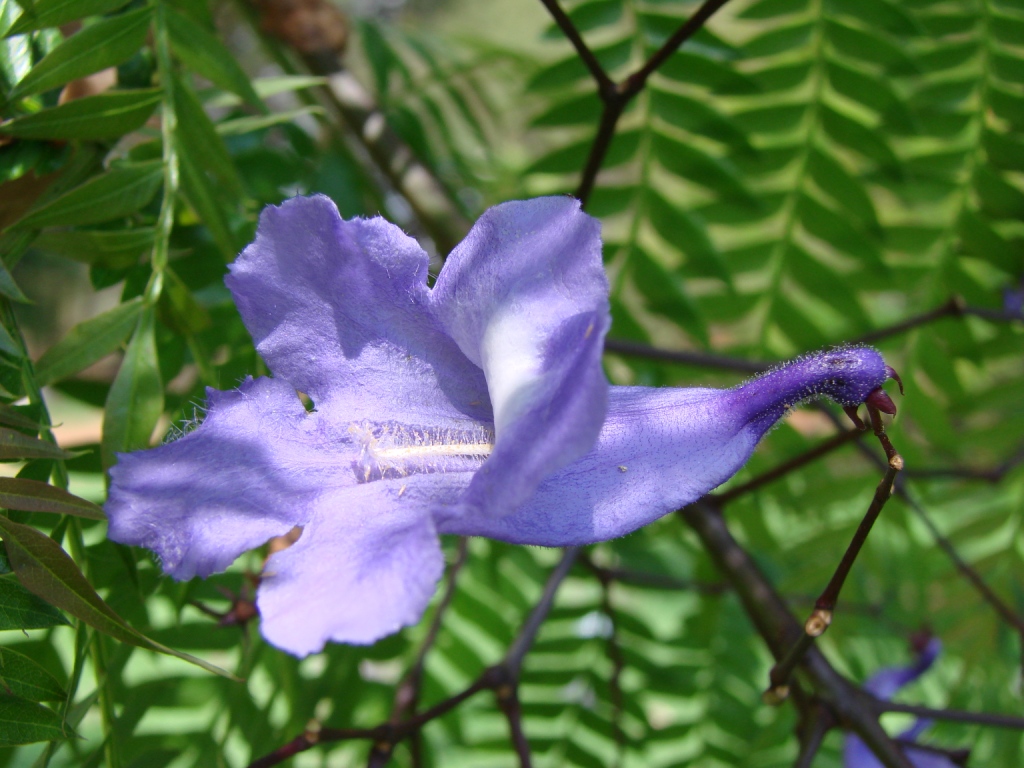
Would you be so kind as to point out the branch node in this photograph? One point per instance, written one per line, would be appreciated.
(312, 732)
(818, 622)
(776, 695)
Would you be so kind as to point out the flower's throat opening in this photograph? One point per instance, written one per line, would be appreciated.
(393, 450)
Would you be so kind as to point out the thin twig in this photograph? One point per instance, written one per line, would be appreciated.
(952, 308)
(955, 307)
(508, 702)
(990, 719)
(779, 629)
(615, 655)
(610, 115)
(507, 690)
(818, 722)
(813, 454)
(1000, 606)
(408, 692)
(993, 475)
(684, 357)
(524, 640)
(615, 96)
(604, 83)
(821, 617)
(655, 580)
(638, 79)
(501, 678)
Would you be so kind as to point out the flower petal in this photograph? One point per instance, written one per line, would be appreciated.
(659, 450)
(341, 309)
(526, 298)
(886, 682)
(247, 473)
(365, 566)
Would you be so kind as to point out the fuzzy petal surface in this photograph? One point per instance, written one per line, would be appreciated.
(659, 450)
(247, 473)
(342, 309)
(525, 297)
(365, 566)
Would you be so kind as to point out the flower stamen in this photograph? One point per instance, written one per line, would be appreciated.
(393, 449)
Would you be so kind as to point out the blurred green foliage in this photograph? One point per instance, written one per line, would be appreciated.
(800, 173)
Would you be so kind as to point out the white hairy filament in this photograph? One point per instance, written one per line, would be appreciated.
(396, 450)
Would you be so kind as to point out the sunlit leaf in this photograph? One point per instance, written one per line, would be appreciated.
(88, 342)
(23, 678)
(98, 46)
(206, 55)
(32, 496)
(105, 116)
(21, 609)
(54, 13)
(24, 722)
(44, 568)
(111, 195)
(136, 397)
(14, 445)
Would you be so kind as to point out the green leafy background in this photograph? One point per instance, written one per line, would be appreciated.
(801, 173)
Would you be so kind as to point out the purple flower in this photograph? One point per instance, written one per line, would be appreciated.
(477, 407)
(884, 684)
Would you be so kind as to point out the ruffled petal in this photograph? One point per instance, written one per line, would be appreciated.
(247, 473)
(365, 566)
(525, 297)
(341, 308)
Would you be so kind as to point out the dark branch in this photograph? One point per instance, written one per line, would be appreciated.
(636, 81)
(780, 629)
(407, 694)
(815, 725)
(503, 678)
(821, 616)
(954, 715)
(825, 448)
(616, 96)
(655, 580)
(684, 357)
(614, 651)
(517, 651)
(604, 83)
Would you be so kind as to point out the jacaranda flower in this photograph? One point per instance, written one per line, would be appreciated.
(884, 684)
(476, 407)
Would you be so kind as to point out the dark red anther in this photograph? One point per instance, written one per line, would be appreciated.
(893, 375)
(880, 401)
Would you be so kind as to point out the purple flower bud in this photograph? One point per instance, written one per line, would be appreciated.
(478, 406)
